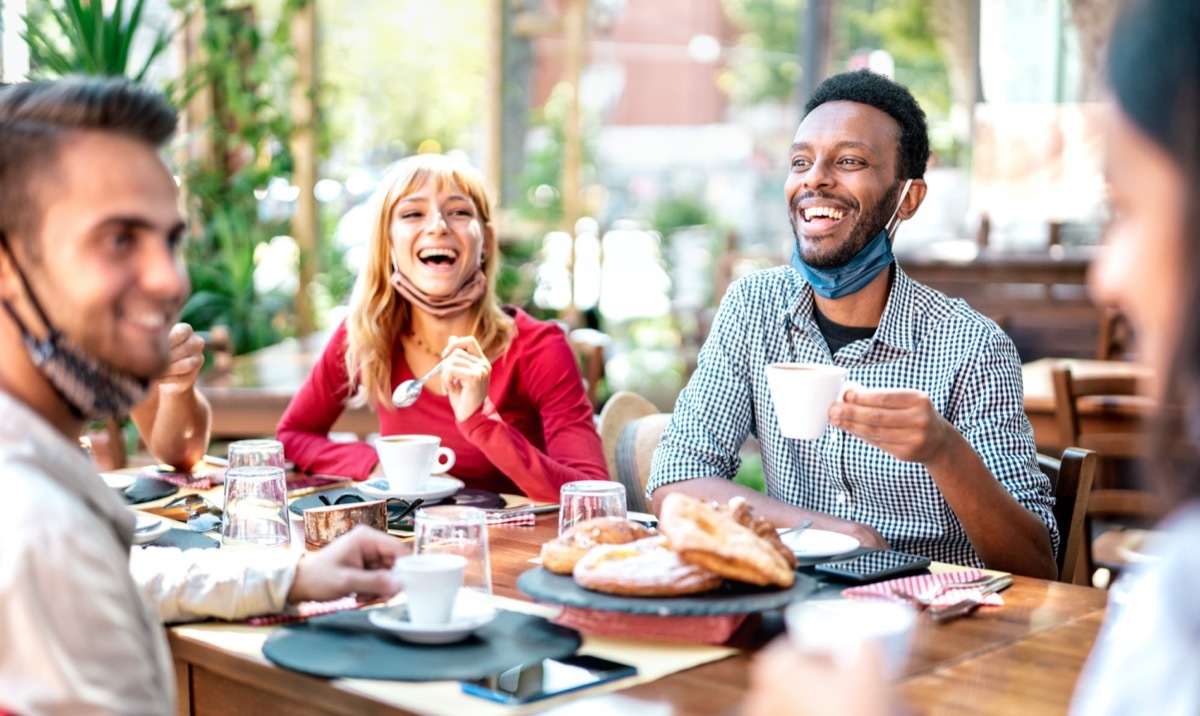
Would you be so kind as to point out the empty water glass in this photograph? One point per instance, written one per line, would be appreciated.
(249, 453)
(586, 499)
(256, 508)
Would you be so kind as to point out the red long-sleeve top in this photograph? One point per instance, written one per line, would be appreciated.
(533, 433)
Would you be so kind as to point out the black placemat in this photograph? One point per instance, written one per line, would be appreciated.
(347, 645)
(185, 539)
(145, 489)
(730, 598)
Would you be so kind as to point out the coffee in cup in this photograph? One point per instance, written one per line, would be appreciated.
(802, 394)
(409, 461)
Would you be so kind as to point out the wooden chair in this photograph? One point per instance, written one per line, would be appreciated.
(1070, 482)
(1108, 500)
(630, 430)
(1068, 390)
(589, 346)
(1116, 336)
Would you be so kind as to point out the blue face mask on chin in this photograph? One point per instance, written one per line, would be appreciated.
(852, 276)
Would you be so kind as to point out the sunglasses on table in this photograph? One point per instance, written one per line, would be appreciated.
(199, 514)
(397, 509)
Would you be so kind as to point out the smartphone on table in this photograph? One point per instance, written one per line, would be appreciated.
(548, 677)
(874, 566)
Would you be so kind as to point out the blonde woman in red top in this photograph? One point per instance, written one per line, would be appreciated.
(510, 402)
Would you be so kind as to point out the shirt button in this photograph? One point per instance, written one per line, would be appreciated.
(841, 498)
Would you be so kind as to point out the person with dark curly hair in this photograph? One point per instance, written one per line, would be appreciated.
(1147, 654)
(934, 455)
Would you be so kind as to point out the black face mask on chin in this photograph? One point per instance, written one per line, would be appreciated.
(91, 388)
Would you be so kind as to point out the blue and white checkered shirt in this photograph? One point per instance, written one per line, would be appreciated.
(925, 341)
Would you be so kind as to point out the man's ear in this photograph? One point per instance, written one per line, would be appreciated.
(912, 200)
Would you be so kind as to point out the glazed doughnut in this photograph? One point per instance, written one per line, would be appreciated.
(560, 555)
(710, 537)
(645, 568)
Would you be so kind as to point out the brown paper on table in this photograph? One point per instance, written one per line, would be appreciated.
(653, 661)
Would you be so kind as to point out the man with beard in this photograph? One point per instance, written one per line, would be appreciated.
(935, 455)
(91, 281)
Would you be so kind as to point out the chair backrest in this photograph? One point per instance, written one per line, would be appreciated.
(1071, 482)
(635, 451)
(1068, 389)
(630, 427)
(1116, 336)
(589, 345)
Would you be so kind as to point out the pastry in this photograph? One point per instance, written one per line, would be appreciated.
(645, 568)
(560, 555)
(713, 538)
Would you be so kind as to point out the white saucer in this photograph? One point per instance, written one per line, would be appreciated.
(812, 543)
(467, 617)
(149, 528)
(437, 488)
(118, 481)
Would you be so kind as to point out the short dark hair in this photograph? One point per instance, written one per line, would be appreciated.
(1154, 72)
(869, 88)
(37, 118)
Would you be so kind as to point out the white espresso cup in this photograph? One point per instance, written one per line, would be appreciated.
(408, 461)
(840, 628)
(431, 583)
(802, 394)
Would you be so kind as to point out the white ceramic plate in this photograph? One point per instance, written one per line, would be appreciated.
(118, 481)
(437, 488)
(467, 617)
(813, 543)
(149, 528)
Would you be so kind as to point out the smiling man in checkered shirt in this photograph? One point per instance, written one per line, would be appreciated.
(935, 456)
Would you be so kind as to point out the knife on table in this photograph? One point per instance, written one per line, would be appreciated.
(966, 606)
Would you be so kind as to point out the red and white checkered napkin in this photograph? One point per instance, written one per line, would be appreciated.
(921, 584)
(199, 480)
(304, 610)
(517, 519)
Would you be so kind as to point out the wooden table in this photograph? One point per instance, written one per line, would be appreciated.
(1024, 657)
(1107, 415)
(250, 399)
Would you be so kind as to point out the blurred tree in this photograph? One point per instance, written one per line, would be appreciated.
(403, 76)
(766, 65)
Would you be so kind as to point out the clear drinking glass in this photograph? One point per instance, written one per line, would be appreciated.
(586, 499)
(449, 529)
(249, 453)
(256, 508)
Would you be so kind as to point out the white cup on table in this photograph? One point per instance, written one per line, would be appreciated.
(840, 628)
(408, 461)
(802, 394)
(461, 531)
(431, 584)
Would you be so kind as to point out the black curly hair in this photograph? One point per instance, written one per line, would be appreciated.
(869, 88)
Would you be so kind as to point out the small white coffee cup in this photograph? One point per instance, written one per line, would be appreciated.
(802, 394)
(431, 583)
(839, 628)
(408, 461)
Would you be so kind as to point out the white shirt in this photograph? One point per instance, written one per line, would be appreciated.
(1147, 658)
(78, 633)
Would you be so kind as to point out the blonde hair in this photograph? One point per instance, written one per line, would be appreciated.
(379, 314)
